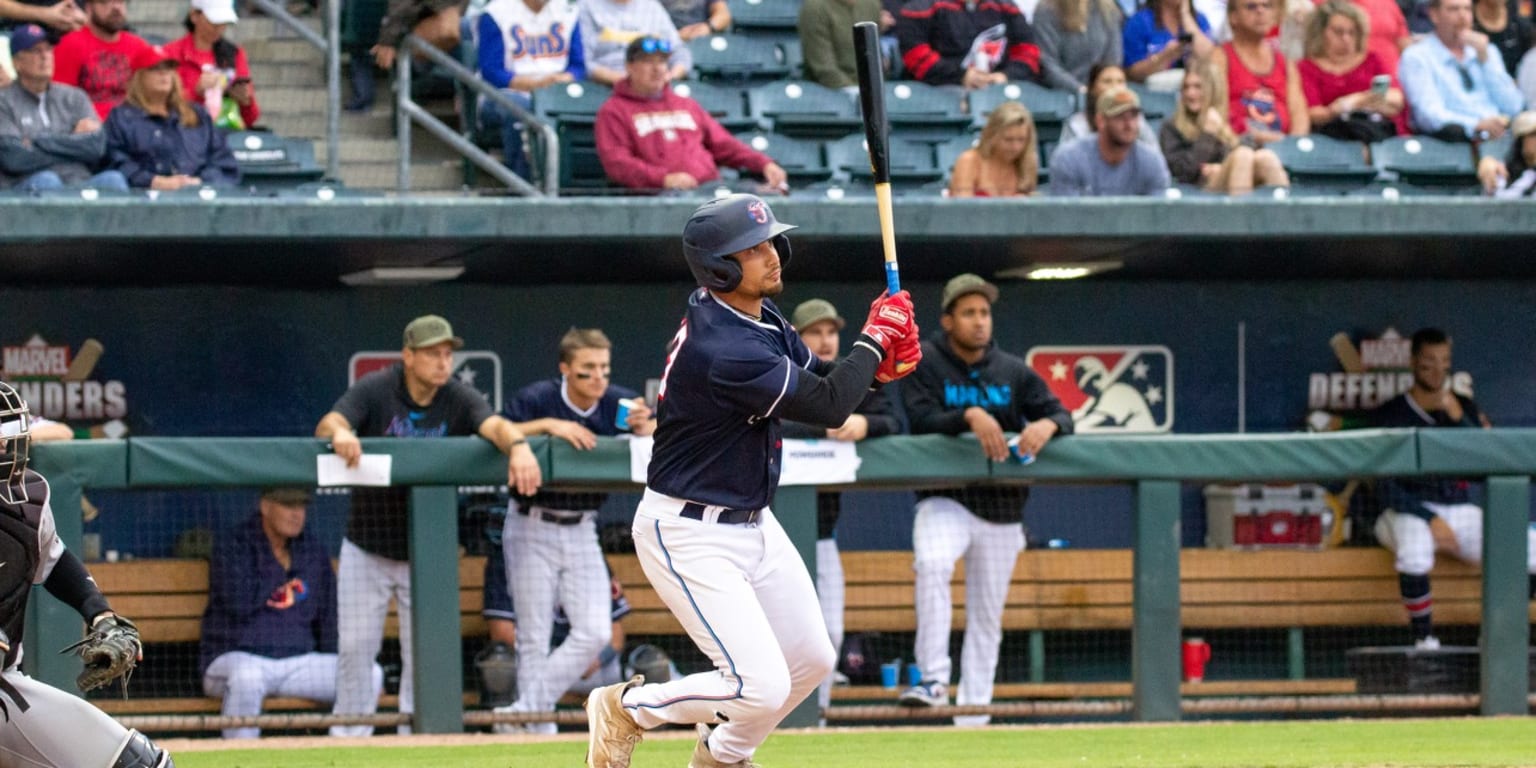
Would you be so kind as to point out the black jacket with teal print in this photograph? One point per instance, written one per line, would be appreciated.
(944, 386)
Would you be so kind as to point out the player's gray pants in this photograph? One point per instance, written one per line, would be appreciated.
(831, 590)
(58, 730)
(548, 565)
(746, 599)
(1409, 538)
(364, 584)
(243, 680)
(943, 532)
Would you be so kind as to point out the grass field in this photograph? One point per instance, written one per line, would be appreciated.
(1440, 742)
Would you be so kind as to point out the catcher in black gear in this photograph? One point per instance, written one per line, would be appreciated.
(41, 725)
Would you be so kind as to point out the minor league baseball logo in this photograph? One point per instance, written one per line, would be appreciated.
(759, 211)
(1113, 389)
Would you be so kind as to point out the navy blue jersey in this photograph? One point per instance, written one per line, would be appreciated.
(547, 399)
(1405, 494)
(727, 380)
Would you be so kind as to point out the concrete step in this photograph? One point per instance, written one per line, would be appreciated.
(302, 74)
(425, 177)
(312, 124)
(281, 49)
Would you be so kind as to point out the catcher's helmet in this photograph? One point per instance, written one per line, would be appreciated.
(727, 225)
(15, 441)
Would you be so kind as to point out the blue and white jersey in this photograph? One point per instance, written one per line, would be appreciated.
(513, 39)
(548, 399)
(727, 376)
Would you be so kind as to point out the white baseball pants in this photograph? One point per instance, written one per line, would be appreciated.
(746, 599)
(58, 730)
(365, 582)
(944, 531)
(832, 591)
(243, 680)
(1409, 538)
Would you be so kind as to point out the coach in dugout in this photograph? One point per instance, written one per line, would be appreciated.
(649, 138)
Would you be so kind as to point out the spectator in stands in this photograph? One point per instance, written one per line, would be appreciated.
(162, 141)
(50, 135)
(967, 384)
(1100, 79)
(1160, 37)
(1506, 29)
(1387, 31)
(1512, 176)
(360, 21)
(1455, 82)
(970, 45)
(523, 46)
(417, 398)
(698, 18)
(1527, 78)
(213, 70)
(1074, 36)
(57, 17)
(1422, 516)
(98, 58)
(436, 22)
(818, 324)
(1264, 97)
(827, 43)
(1201, 149)
(270, 625)
(1112, 161)
(610, 26)
(1351, 95)
(550, 540)
(650, 138)
(1006, 159)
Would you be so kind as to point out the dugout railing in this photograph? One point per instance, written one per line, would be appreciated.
(1154, 465)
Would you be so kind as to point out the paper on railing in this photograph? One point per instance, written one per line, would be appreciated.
(371, 469)
(806, 462)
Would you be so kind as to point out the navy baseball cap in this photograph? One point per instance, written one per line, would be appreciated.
(27, 36)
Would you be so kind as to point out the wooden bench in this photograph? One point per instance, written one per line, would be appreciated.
(1072, 589)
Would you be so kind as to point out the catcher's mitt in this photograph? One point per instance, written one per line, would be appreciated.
(110, 651)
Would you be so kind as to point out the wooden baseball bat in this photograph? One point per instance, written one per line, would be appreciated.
(866, 46)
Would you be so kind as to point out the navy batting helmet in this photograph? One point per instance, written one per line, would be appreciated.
(728, 225)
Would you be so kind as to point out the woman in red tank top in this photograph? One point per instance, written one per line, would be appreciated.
(1265, 101)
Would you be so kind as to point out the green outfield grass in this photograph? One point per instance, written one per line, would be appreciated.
(1442, 742)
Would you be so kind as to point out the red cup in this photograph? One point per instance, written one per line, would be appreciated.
(1197, 653)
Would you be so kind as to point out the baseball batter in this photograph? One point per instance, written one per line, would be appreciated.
(704, 534)
(42, 726)
(1423, 515)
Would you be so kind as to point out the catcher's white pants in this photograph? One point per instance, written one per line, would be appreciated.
(832, 591)
(365, 582)
(548, 565)
(944, 531)
(746, 599)
(58, 730)
(243, 680)
(1409, 538)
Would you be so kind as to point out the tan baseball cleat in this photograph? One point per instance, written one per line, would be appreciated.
(611, 733)
(703, 759)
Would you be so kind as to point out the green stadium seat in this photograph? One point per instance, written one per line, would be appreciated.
(1155, 105)
(765, 14)
(572, 101)
(1320, 159)
(738, 59)
(1049, 108)
(726, 104)
(1425, 161)
(920, 112)
(804, 109)
(803, 159)
(269, 161)
(1495, 148)
(912, 163)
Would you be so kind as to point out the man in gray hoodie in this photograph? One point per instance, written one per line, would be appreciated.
(50, 135)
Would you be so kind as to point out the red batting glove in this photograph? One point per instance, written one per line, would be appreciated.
(902, 360)
(891, 319)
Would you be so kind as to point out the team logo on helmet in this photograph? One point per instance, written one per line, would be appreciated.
(758, 210)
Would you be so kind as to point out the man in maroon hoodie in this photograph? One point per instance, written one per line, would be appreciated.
(653, 139)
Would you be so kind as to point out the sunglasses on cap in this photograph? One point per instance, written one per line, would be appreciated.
(655, 45)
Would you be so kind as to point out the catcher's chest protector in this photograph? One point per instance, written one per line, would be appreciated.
(18, 563)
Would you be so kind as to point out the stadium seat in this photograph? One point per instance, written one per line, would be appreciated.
(947, 153)
(1323, 160)
(1424, 161)
(912, 163)
(270, 161)
(802, 159)
(724, 103)
(765, 14)
(1495, 148)
(1050, 108)
(804, 109)
(573, 110)
(920, 112)
(738, 59)
(837, 189)
(572, 101)
(1155, 105)
(794, 55)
